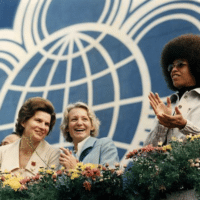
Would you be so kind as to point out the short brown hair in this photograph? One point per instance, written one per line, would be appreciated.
(28, 110)
(94, 120)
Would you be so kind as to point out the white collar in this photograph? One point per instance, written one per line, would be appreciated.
(80, 146)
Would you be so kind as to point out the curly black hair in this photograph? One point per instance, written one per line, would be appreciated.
(187, 47)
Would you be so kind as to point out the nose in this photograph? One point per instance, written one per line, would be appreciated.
(79, 122)
(42, 125)
(174, 68)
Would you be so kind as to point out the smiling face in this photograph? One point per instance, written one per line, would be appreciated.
(181, 75)
(37, 127)
(79, 126)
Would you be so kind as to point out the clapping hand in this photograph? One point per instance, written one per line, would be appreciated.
(67, 159)
(164, 112)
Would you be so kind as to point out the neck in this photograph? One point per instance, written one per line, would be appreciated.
(188, 88)
(76, 146)
(27, 145)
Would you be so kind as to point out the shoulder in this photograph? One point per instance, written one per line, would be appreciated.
(5, 147)
(49, 148)
(104, 140)
(9, 146)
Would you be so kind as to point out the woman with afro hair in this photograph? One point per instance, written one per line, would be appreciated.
(180, 62)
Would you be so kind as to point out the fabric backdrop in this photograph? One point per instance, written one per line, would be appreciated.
(105, 53)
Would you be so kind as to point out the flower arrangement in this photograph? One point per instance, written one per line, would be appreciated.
(154, 173)
(158, 171)
(86, 181)
(89, 181)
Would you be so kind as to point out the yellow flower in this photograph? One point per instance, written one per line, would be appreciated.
(62, 168)
(53, 166)
(174, 139)
(48, 171)
(41, 170)
(160, 143)
(7, 176)
(6, 171)
(13, 182)
(167, 147)
(189, 136)
(74, 175)
(93, 166)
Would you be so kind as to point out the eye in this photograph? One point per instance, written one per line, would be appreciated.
(85, 119)
(47, 124)
(38, 120)
(181, 64)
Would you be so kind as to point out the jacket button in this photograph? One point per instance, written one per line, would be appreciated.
(180, 106)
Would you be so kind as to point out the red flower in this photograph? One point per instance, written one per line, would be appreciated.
(88, 173)
(54, 176)
(87, 185)
(23, 187)
(96, 172)
(131, 154)
(59, 172)
(3, 178)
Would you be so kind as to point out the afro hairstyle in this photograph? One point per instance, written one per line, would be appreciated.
(187, 47)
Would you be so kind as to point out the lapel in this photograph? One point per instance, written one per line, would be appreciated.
(38, 157)
(11, 157)
(87, 147)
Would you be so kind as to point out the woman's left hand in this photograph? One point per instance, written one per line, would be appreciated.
(176, 121)
(67, 159)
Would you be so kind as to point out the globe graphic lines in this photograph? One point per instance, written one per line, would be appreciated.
(90, 66)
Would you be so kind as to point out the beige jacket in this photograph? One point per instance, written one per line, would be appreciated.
(44, 156)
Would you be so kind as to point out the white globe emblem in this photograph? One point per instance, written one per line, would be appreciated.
(41, 78)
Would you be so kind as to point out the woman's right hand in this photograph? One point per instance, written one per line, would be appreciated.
(158, 106)
(67, 160)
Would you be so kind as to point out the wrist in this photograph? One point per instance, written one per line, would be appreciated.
(183, 124)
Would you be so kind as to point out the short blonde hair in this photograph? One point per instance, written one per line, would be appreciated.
(94, 120)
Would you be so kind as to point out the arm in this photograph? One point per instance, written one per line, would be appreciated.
(108, 153)
(158, 134)
(190, 128)
(164, 113)
(54, 158)
(159, 130)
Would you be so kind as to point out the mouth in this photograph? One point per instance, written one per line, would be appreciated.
(79, 130)
(39, 133)
(175, 76)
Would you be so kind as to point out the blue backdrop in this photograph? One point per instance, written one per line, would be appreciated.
(103, 52)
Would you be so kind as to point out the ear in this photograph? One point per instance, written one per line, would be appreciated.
(92, 128)
(23, 124)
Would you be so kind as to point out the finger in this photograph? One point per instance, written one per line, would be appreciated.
(63, 159)
(62, 155)
(153, 98)
(178, 112)
(168, 102)
(154, 107)
(164, 118)
(167, 117)
(158, 98)
(66, 151)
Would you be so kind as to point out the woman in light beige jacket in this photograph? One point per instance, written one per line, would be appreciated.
(36, 119)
